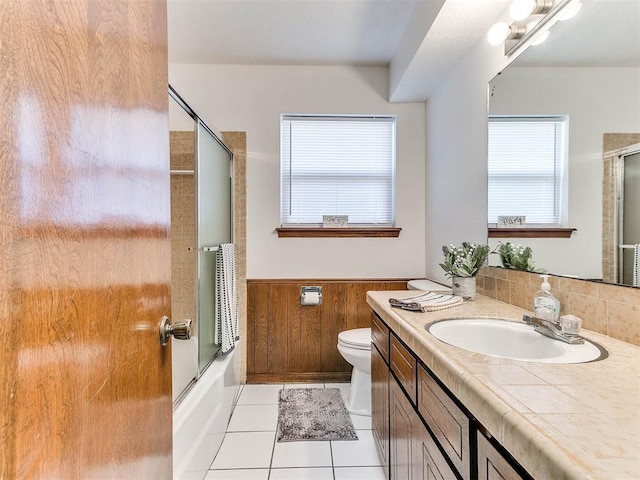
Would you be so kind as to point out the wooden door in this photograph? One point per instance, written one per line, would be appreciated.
(85, 388)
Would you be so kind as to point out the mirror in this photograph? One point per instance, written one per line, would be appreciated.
(589, 70)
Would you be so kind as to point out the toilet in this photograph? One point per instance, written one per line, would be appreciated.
(427, 286)
(355, 347)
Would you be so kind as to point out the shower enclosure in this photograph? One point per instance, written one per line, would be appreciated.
(201, 219)
(628, 194)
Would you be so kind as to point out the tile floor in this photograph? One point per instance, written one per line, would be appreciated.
(249, 450)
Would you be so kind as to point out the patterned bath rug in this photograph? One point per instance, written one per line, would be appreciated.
(313, 414)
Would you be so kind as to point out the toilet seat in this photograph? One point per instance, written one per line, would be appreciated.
(358, 338)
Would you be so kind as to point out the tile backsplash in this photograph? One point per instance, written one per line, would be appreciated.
(612, 310)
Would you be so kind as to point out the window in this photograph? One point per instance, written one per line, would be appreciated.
(526, 169)
(337, 165)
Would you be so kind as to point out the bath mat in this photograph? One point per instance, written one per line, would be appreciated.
(313, 414)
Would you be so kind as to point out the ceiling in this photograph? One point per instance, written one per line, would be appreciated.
(420, 40)
(287, 32)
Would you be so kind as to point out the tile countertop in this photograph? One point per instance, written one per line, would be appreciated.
(560, 421)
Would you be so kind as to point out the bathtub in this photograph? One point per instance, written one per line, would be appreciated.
(201, 418)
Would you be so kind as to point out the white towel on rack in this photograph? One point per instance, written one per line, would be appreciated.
(226, 325)
(636, 265)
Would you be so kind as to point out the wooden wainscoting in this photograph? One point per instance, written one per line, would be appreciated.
(289, 342)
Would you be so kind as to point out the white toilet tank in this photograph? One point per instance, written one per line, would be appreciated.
(427, 285)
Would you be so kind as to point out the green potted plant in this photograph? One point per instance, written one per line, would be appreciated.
(462, 265)
(517, 257)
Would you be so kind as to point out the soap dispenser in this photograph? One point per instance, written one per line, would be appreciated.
(545, 305)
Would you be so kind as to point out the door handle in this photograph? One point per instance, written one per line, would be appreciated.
(180, 331)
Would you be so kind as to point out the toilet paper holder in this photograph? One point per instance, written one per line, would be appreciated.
(310, 295)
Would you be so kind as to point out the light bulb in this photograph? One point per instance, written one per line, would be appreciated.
(521, 9)
(498, 33)
(541, 38)
(570, 11)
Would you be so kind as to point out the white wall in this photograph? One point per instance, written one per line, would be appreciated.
(597, 101)
(456, 181)
(251, 98)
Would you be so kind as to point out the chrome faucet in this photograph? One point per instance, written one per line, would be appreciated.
(551, 329)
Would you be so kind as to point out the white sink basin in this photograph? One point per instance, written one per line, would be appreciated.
(518, 341)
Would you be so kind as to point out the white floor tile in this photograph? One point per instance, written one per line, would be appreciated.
(259, 395)
(358, 453)
(245, 450)
(254, 418)
(359, 473)
(245, 474)
(361, 422)
(304, 385)
(301, 474)
(301, 454)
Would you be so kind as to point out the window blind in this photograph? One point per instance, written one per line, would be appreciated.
(526, 168)
(337, 165)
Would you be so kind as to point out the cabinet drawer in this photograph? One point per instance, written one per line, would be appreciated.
(447, 421)
(380, 336)
(491, 463)
(403, 364)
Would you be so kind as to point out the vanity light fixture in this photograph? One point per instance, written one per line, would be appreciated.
(502, 32)
(570, 12)
(521, 9)
(541, 38)
(531, 20)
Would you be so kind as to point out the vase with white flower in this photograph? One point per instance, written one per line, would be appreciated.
(462, 264)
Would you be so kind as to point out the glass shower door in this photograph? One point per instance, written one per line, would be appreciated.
(630, 215)
(214, 209)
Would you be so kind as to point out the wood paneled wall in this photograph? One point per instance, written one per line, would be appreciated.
(289, 342)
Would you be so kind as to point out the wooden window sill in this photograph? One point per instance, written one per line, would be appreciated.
(319, 232)
(530, 232)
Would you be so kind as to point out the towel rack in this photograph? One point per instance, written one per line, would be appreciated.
(626, 246)
(209, 249)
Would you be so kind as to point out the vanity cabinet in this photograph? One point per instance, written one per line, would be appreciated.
(422, 432)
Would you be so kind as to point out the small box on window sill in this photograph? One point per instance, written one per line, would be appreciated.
(335, 221)
(508, 221)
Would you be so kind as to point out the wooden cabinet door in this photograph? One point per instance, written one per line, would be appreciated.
(85, 387)
(401, 420)
(428, 462)
(446, 420)
(380, 406)
(492, 465)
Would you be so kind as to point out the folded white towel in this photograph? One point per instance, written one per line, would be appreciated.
(426, 302)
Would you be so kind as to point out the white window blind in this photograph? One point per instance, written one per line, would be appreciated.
(335, 165)
(526, 168)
